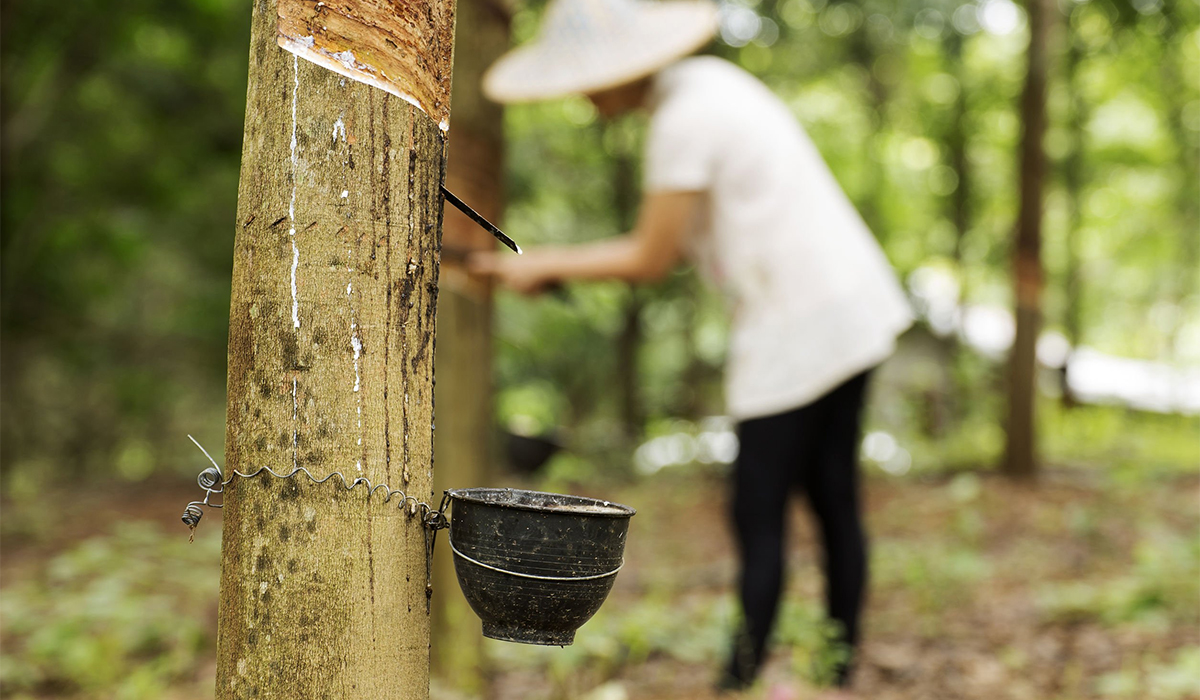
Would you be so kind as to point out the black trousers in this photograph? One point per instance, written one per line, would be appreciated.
(813, 448)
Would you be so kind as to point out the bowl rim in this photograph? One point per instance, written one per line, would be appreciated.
(478, 496)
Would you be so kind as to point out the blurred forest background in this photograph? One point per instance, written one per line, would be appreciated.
(121, 142)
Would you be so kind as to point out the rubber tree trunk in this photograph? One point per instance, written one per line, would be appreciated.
(1073, 173)
(864, 51)
(463, 438)
(1184, 280)
(1020, 455)
(628, 348)
(324, 590)
(960, 214)
(630, 337)
(957, 143)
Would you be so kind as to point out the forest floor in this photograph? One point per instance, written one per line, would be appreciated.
(1083, 586)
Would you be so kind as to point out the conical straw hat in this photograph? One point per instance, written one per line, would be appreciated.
(592, 45)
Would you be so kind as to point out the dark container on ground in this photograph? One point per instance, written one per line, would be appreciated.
(527, 453)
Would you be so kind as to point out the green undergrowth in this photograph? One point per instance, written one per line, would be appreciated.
(127, 614)
(1176, 677)
(1162, 585)
(694, 631)
(945, 415)
(1107, 440)
(121, 616)
(1133, 444)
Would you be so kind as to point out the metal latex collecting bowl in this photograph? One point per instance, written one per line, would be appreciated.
(535, 566)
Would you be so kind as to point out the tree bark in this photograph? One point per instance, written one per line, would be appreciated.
(1020, 456)
(863, 51)
(628, 347)
(957, 142)
(324, 590)
(1073, 176)
(947, 410)
(1184, 281)
(629, 339)
(475, 171)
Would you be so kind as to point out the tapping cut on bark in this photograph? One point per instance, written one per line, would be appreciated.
(400, 46)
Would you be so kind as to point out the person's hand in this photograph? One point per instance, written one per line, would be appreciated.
(524, 274)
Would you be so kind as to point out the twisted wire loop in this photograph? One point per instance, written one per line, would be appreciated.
(213, 481)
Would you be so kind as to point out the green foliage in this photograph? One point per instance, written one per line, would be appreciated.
(1131, 445)
(889, 91)
(1135, 444)
(940, 574)
(814, 641)
(1173, 679)
(694, 630)
(965, 569)
(122, 136)
(118, 616)
(1163, 584)
(121, 142)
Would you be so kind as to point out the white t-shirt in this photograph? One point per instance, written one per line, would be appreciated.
(815, 301)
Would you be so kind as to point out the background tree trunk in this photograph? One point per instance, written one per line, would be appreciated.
(323, 590)
(863, 51)
(957, 143)
(1020, 455)
(625, 197)
(1073, 182)
(1184, 280)
(463, 439)
(629, 386)
(946, 405)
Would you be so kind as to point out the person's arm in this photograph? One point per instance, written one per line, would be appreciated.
(645, 254)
